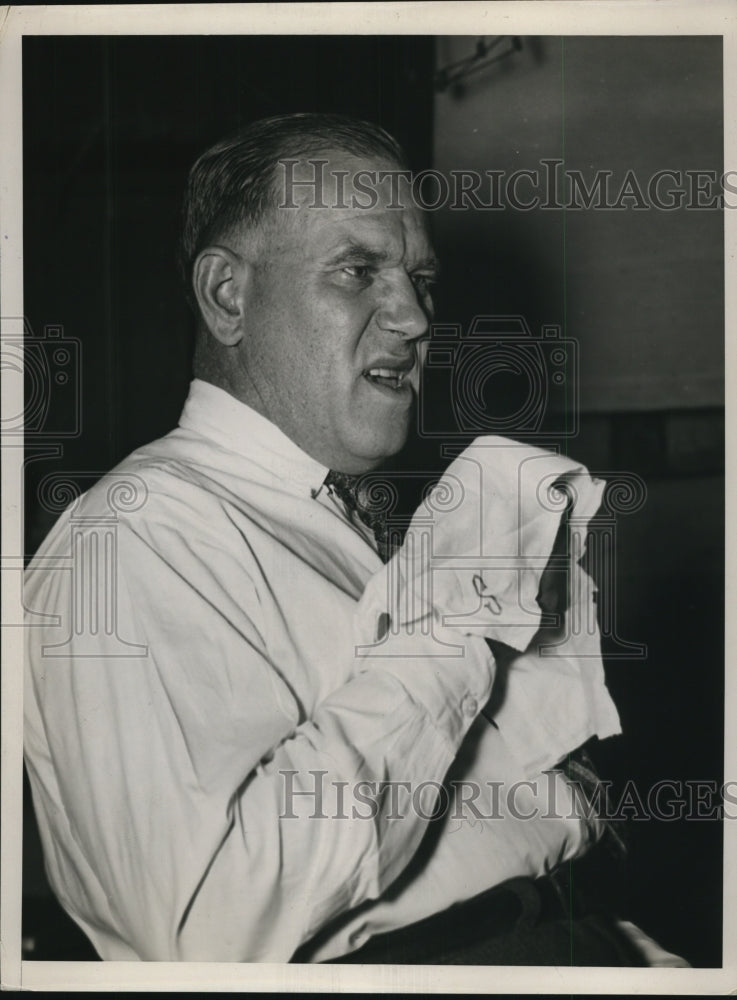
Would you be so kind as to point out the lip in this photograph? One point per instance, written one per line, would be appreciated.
(401, 394)
(403, 365)
(399, 364)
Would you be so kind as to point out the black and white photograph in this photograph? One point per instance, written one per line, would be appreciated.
(363, 435)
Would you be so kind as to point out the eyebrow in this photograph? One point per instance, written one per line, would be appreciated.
(353, 252)
(428, 264)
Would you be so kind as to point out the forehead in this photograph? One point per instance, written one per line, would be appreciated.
(332, 198)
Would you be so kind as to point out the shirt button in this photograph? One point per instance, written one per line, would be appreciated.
(469, 705)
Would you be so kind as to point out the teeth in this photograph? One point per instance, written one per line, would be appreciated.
(387, 373)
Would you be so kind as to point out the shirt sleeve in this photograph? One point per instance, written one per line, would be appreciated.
(188, 809)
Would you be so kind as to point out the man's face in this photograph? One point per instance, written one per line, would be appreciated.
(338, 301)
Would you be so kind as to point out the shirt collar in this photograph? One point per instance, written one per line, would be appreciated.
(215, 414)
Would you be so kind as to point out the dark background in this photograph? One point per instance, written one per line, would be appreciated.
(111, 126)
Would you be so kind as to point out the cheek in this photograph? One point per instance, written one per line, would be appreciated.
(326, 353)
(298, 357)
(315, 333)
(349, 328)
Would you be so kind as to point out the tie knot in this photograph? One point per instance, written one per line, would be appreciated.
(345, 486)
(355, 493)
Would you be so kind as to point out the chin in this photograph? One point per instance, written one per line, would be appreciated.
(364, 456)
(374, 457)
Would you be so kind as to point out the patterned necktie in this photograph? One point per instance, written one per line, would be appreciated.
(357, 499)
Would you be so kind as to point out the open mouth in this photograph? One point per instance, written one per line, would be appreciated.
(389, 378)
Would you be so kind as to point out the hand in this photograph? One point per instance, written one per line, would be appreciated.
(655, 956)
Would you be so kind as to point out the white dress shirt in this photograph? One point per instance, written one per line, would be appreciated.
(198, 667)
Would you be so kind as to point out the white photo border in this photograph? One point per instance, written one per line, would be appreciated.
(521, 17)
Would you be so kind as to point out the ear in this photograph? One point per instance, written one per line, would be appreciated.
(220, 279)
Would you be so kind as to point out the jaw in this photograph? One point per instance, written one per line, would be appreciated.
(374, 427)
(384, 418)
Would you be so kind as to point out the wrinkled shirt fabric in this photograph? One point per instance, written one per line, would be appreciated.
(208, 682)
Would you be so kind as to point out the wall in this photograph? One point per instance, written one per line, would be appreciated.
(641, 292)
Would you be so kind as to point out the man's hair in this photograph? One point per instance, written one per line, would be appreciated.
(234, 182)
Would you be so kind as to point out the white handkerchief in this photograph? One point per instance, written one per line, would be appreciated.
(473, 559)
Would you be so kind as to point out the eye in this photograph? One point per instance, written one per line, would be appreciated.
(362, 272)
(424, 283)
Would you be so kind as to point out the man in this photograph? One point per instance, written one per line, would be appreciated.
(198, 710)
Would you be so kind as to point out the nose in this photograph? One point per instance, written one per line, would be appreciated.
(401, 309)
